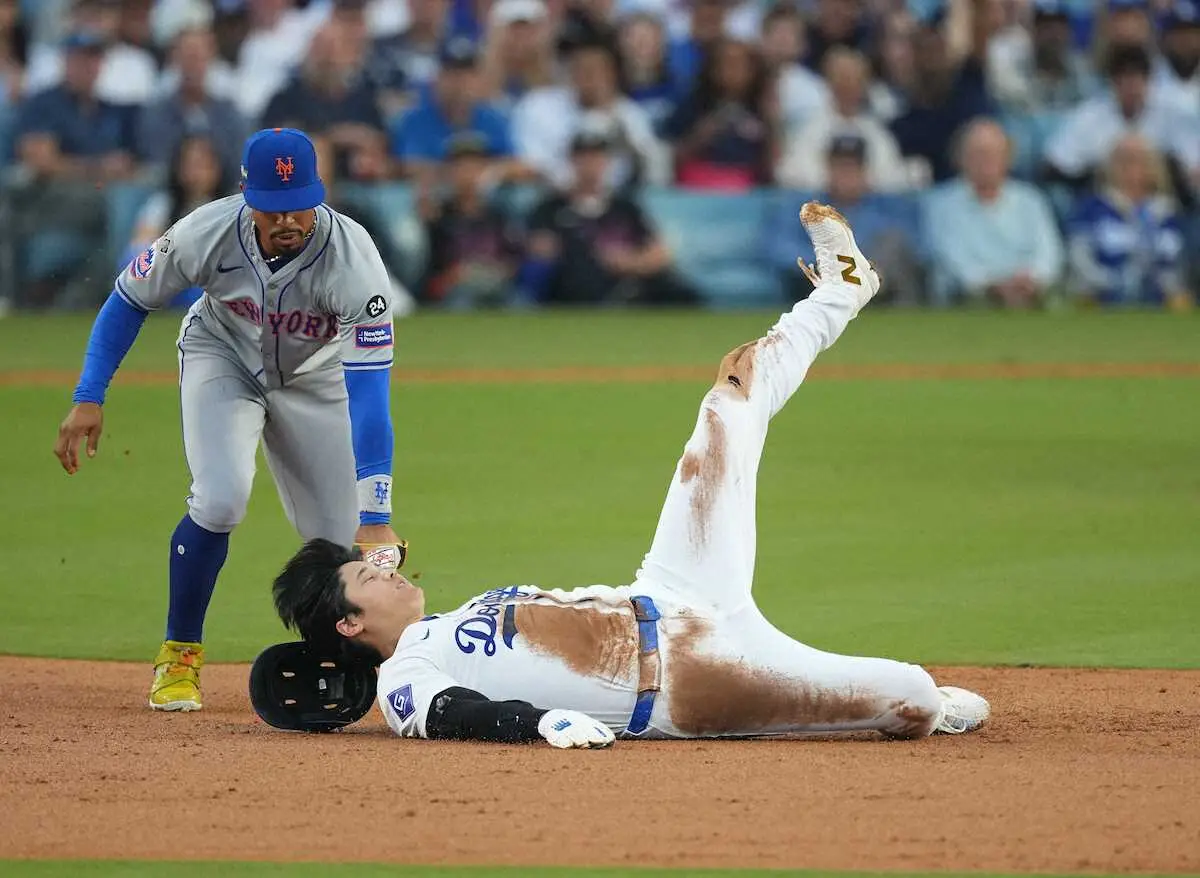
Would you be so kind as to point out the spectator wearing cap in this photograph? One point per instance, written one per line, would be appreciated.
(66, 135)
(1088, 134)
(991, 238)
(127, 73)
(647, 76)
(725, 134)
(474, 248)
(894, 240)
(589, 245)
(518, 54)
(421, 136)
(801, 93)
(949, 87)
(331, 100)
(803, 165)
(1126, 244)
(1040, 69)
(191, 108)
(404, 66)
(837, 23)
(1177, 69)
(274, 46)
(544, 121)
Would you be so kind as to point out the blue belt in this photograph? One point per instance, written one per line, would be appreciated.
(649, 666)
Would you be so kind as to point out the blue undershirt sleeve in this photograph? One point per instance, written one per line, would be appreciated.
(371, 427)
(113, 334)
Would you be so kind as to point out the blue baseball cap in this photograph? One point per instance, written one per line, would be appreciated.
(1183, 13)
(85, 40)
(279, 171)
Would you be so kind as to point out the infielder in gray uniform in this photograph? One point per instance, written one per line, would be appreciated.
(291, 343)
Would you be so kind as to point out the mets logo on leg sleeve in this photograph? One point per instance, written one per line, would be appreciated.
(378, 335)
(140, 267)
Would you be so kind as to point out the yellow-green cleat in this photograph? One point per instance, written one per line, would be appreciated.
(176, 683)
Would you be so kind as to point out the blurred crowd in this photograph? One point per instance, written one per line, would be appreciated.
(987, 151)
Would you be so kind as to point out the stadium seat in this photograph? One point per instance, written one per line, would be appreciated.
(716, 242)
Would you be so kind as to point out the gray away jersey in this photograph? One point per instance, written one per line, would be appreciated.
(330, 304)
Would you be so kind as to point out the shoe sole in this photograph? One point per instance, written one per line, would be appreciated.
(814, 212)
(176, 706)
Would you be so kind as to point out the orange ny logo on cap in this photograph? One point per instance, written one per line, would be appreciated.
(284, 169)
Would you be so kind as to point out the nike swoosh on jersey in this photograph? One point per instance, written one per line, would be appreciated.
(225, 269)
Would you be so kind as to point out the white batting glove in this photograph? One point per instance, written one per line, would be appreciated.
(570, 728)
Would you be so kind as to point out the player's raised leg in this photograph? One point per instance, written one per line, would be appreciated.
(705, 542)
(222, 411)
(310, 450)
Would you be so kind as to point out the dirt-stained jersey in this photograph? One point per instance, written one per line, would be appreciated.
(331, 303)
(575, 650)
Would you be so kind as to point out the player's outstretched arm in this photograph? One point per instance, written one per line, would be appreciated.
(113, 333)
(465, 715)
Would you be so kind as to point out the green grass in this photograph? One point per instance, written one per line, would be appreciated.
(1039, 521)
(153, 869)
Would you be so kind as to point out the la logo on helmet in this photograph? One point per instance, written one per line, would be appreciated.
(284, 169)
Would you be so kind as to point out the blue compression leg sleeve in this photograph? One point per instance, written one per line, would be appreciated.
(197, 556)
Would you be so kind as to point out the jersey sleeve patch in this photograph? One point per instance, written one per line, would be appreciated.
(140, 267)
(374, 336)
(401, 701)
(376, 305)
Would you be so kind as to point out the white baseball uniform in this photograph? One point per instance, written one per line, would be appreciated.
(683, 651)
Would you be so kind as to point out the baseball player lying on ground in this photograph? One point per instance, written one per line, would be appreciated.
(291, 343)
(683, 652)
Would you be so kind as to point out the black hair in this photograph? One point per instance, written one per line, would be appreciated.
(310, 596)
(1126, 58)
(706, 92)
(225, 184)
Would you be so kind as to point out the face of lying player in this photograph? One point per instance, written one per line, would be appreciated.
(281, 233)
(387, 604)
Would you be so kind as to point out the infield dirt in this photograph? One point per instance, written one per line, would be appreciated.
(1080, 770)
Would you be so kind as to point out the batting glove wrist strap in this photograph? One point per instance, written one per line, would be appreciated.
(386, 556)
(375, 494)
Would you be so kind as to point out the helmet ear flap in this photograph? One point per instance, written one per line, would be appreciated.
(295, 687)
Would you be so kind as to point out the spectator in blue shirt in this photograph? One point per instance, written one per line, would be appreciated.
(944, 95)
(887, 227)
(687, 52)
(67, 136)
(66, 132)
(420, 138)
(647, 76)
(991, 238)
(1126, 244)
